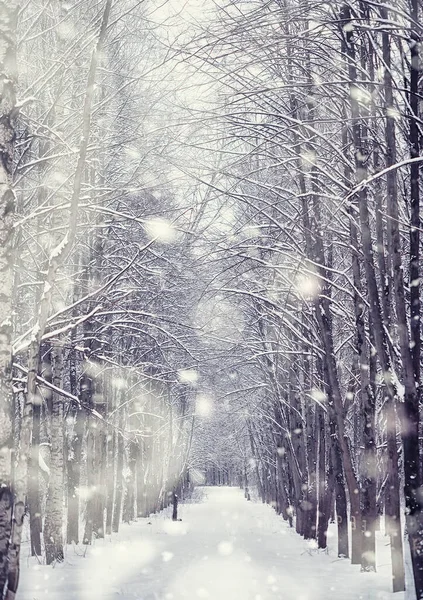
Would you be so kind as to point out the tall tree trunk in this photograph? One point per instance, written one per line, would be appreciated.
(323, 490)
(117, 508)
(110, 479)
(53, 524)
(367, 399)
(34, 500)
(74, 443)
(86, 399)
(392, 500)
(340, 492)
(341, 506)
(74, 460)
(8, 24)
(296, 428)
(129, 499)
(368, 407)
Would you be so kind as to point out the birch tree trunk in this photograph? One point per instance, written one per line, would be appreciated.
(8, 23)
(34, 500)
(53, 524)
(368, 407)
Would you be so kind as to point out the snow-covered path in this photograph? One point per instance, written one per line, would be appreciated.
(225, 548)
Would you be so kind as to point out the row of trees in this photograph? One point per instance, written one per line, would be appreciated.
(319, 131)
(98, 278)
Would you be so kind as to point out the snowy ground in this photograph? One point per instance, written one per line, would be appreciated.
(225, 548)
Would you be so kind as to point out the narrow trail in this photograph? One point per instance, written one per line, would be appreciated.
(225, 548)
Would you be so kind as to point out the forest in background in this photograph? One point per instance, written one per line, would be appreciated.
(210, 267)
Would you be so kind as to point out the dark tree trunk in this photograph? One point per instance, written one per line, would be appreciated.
(392, 500)
(34, 500)
(174, 506)
(409, 408)
(74, 476)
(368, 407)
(325, 488)
(340, 498)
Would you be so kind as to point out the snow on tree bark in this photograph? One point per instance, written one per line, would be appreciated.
(8, 23)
